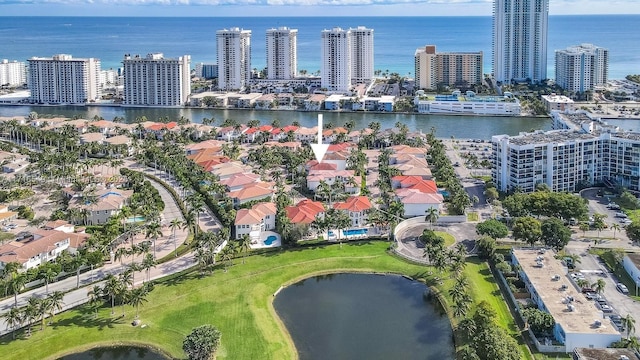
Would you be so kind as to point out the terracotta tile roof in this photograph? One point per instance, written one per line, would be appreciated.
(240, 179)
(354, 204)
(317, 175)
(425, 186)
(323, 166)
(55, 224)
(412, 196)
(204, 145)
(46, 241)
(289, 128)
(255, 215)
(108, 199)
(251, 191)
(103, 124)
(405, 149)
(304, 212)
(338, 155)
(118, 140)
(92, 137)
(308, 131)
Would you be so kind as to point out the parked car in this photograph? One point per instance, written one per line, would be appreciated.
(605, 308)
(613, 206)
(622, 288)
(620, 214)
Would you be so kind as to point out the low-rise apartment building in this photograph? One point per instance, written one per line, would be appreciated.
(578, 324)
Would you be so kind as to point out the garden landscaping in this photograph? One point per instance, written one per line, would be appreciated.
(237, 302)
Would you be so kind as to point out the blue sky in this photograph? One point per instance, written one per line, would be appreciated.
(294, 7)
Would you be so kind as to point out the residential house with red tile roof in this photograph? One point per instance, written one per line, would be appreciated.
(357, 207)
(261, 217)
(305, 212)
(351, 182)
(227, 169)
(239, 181)
(45, 246)
(108, 203)
(252, 192)
(417, 203)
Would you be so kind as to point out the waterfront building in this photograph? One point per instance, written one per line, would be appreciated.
(12, 73)
(578, 324)
(62, 79)
(361, 55)
(282, 55)
(449, 68)
(109, 79)
(234, 58)
(582, 67)
(206, 71)
(156, 81)
(468, 104)
(579, 152)
(520, 40)
(336, 59)
(557, 102)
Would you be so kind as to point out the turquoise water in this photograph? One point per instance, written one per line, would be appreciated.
(135, 219)
(354, 232)
(270, 240)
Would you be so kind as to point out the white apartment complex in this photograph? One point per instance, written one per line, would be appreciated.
(361, 55)
(282, 53)
(581, 151)
(156, 81)
(12, 73)
(234, 58)
(582, 67)
(520, 40)
(347, 58)
(448, 68)
(62, 79)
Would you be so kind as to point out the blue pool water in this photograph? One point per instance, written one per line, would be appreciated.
(354, 232)
(270, 240)
(135, 219)
(331, 233)
(444, 193)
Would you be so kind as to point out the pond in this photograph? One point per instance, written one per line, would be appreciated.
(359, 316)
(116, 353)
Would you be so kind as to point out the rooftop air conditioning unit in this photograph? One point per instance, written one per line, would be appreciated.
(597, 323)
(571, 307)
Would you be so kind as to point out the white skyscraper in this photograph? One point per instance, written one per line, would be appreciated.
(282, 56)
(361, 55)
(347, 58)
(520, 40)
(234, 58)
(335, 70)
(12, 73)
(156, 81)
(582, 67)
(63, 79)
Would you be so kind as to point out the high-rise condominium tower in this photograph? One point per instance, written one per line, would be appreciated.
(361, 55)
(234, 58)
(449, 68)
(156, 81)
(12, 73)
(347, 58)
(582, 67)
(63, 79)
(282, 57)
(520, 40)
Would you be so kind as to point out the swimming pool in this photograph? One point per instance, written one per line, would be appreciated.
(352, 232)
(135, 219)
(270, 239)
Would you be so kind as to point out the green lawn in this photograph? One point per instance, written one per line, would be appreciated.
(448, 238)
(238, 302)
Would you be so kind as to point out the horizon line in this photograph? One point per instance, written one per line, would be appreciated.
(288, 16)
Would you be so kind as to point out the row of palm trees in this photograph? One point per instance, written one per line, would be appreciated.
(119, 290)
(37, 309)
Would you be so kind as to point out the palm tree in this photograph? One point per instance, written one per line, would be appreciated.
(173, 225)
(31, 312)
(244, 245)
(147, 263)
(432, 216)
(55, 302)
(599, 285)
(76, 264)
(95, 297)
(48, 274)
(112, 288)
(629, 324)
(138, 296)
(154, 230)
(17, 282)
(584, 227)
(121, 252)
(133, 267)
(13, 319)
(615, 228)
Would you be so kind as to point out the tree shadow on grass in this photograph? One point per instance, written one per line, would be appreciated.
(87, 318)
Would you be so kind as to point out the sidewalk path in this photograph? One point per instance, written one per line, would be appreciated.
(164, 246)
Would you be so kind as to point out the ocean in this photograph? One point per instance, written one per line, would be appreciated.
(395, 42)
